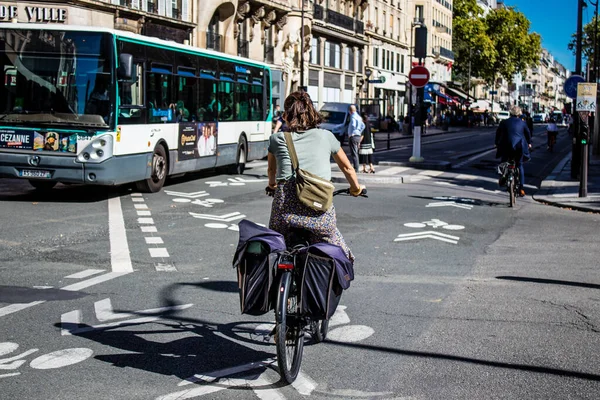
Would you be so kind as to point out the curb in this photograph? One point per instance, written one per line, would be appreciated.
(436, 165)
(575, 207)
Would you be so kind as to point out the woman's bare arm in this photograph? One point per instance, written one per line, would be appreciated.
(348, 170)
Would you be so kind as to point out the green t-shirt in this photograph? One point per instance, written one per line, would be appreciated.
(313, 147)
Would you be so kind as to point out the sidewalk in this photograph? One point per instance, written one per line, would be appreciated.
(559, 189)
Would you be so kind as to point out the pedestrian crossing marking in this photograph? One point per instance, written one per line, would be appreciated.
(394, 170)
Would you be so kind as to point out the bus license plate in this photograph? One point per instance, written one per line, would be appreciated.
(35, 173)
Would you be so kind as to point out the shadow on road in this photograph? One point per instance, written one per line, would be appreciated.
(550, 281)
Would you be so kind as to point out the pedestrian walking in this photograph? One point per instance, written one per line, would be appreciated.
(355, 128)
(367, 146)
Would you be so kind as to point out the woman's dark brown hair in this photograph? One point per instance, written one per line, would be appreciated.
(299, 112)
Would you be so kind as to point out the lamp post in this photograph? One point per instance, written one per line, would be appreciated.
(302, 88)
(368, 73)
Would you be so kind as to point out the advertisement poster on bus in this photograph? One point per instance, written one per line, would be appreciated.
(197, 140)
(37, 140)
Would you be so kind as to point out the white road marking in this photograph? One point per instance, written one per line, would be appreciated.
(120, 259)
(105, 312)
(145, 221)
(350, 333)
(160, 267)
(84, 274)
(140, 206)
(136, 195)
(7, 348)
(223, 218)
(15, 361)
(148, 229)
(43, 287)
(69, 319)
(144, 213)
(13, 308)
(450, 204)
(427, 235)
(339, 317)
(11, 374)
(466, 177)
(393, 170)
(192, 195)
(154, 240)
(182, 200)
(61, 358)
(431, 173)
(304, 384)
(415, 225)
(94, 281)
(475, 157)
(137, 200)
(211, 376)
(156, 252)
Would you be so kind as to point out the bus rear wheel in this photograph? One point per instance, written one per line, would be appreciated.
(240, 160)
(158, 174)
(42, 185)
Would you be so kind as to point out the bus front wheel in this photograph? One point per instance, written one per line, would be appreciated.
(240, 161)
(158, 174)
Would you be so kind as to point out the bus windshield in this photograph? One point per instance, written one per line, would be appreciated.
(53, 77)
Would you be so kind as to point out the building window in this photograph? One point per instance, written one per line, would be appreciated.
(389, 60)
(382, 59)
(315, 51)
(419, 13)
(337, 53)
(349, 59)
(375, 57)
(360, 62)
(332, 55)
(402, 64)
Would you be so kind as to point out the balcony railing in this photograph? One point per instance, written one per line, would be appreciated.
(444, 52)
(243, 48)
(335, 18)
(269, 54)
(213, 41)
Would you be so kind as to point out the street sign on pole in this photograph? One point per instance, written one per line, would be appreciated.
(493, 92)
(418, 76)
(571, 85)
(586, 97)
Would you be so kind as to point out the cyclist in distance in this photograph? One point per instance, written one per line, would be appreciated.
(552, 130)
(314, 147)
(513, 141)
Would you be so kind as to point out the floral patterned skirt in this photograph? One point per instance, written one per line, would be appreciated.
(287, 212)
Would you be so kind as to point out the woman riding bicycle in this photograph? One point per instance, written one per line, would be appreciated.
(314, 148)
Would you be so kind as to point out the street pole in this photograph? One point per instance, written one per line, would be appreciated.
(596, 132)
(576, 148)
(302, 89)
(410, 88)
(469, 90)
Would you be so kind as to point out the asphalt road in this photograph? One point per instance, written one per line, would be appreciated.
(109, 294)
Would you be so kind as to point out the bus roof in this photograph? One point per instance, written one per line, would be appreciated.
(134, 36)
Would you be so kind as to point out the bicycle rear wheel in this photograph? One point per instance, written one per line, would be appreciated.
(289, 335)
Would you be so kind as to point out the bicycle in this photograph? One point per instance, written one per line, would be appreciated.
(551, 140)
(510, 178)
(290, 323)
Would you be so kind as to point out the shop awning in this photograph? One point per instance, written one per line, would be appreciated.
(442, 98)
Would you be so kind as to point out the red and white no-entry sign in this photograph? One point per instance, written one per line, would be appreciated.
(418, 76)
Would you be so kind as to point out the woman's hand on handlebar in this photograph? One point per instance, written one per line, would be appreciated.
(358, 191)
(270, 190)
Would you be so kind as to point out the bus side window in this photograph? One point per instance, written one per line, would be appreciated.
(226, 100)
(208, 105)
(242, 93)
(159, 98)
(131, 107)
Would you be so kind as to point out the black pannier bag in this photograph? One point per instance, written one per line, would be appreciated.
(326, 272)
(255, 259)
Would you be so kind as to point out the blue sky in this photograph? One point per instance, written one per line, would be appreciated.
(555, 21)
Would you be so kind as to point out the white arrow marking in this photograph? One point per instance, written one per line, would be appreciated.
(192, 195)
(84, 274)
(339, 317)
(13, 308)
(211, 376)
(450, 204)
(489, 191)
(428, 235)
(7, 375)
(224, 218)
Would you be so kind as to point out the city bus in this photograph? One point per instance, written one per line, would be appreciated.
(106, 107)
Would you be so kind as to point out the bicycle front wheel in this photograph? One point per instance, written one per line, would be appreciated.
(289, 335)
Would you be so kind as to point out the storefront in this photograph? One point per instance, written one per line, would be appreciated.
(392, 92)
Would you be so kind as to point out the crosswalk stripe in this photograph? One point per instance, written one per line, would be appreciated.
(431, 173)
(394, 170)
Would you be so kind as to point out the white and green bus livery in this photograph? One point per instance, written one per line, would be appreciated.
(106, 107)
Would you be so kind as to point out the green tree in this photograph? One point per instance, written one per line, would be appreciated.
(470, 43)
(498, 44)
(587, 42)
(516, 48)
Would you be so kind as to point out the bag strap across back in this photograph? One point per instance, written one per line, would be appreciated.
(291, 150)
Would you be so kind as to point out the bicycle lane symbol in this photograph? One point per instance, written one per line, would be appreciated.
(254, 375)
(53, 360)
(431, 234)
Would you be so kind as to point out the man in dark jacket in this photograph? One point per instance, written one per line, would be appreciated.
(513, 141)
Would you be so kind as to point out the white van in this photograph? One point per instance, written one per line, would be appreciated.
(336, 119)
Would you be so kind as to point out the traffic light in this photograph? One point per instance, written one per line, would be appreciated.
(584, 134)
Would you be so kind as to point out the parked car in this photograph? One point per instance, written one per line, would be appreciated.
(539, 118)
(502, 115)
(336, 119)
